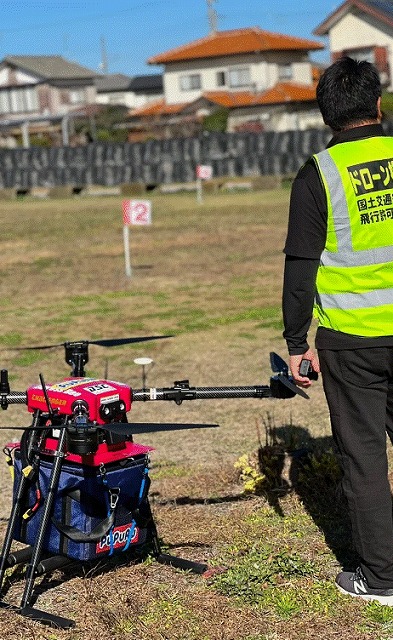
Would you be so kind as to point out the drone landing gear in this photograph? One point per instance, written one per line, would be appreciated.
(53, 563)
(39, 560)
(181, 563)
(175, 561)
(46, 565)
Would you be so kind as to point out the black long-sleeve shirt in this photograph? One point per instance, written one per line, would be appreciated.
(304, 244)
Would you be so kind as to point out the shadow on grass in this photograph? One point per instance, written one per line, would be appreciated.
(294, 461)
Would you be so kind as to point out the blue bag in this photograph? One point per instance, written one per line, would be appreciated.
(98, 510)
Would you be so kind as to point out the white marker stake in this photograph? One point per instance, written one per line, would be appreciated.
(199, 190)
(127, 258)
(203, 172)
(134, 212)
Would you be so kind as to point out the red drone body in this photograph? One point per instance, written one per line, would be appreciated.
(103, 399)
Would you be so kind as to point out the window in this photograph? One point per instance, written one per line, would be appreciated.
(285, 72)
(117, 98)
(363, 54)
(221, 79)
(188, 83)
(18, 100)
(239, 77)
(77, 96)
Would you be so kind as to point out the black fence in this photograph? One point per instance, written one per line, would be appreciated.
(158, 162)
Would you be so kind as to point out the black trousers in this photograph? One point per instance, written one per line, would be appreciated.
(358, 385)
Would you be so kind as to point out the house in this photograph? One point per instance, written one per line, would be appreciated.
(362, 29)
(130, 91)
(264, 80)
(37, 91)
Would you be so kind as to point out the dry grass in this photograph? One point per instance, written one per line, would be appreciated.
(211, 276)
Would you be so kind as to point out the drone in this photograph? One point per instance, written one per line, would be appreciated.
(81, 483)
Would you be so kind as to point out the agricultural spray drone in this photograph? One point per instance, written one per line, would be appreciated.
(81, 483)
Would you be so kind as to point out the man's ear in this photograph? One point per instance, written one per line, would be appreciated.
(379, 109)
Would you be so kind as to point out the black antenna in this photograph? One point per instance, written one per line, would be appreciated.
(47, 401)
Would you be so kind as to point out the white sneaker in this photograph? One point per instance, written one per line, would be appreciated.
(355, 584)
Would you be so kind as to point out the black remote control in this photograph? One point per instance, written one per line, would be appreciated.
(307, 371)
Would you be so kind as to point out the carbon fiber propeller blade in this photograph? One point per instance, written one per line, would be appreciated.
(277, 364)
(122, 428)
(292, 386)
(280, 367)
(113, 342)
(150, 427)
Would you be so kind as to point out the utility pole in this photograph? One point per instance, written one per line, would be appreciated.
(104, 57)
(212, 16)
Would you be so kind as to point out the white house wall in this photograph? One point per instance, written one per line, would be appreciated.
(126, 98)
(20, 77)
(25, 78)
(264, 73)
(277, 119)
(353, 32)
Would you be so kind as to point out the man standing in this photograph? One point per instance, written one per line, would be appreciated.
(339, 259)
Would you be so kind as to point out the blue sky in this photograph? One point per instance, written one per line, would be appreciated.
(130, 31)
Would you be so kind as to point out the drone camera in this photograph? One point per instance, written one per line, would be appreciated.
(113, 411)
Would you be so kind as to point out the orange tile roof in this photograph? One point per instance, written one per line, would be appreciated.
(289, 92)
(281, 92)
(158, 108)
(227, 43)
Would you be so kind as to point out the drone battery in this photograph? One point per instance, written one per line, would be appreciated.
(99, 509)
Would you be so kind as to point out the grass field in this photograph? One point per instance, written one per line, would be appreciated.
(210, 276)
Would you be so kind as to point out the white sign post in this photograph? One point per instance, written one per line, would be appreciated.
(136, 212)
(203, 172)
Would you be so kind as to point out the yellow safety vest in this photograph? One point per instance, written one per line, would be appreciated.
(354, 289)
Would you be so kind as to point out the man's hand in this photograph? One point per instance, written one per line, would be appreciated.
(294, 365)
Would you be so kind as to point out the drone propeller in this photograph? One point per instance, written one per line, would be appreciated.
(280, 368)
(121, 428)
(277, 364)
(114, 342)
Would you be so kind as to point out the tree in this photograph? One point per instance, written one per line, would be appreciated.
(216, 121)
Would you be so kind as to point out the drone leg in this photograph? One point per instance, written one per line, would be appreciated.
(20, 494)
(9, 536)
(38, 545)
(173, 561)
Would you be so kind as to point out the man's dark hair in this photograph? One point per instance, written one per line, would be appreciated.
(347, 93)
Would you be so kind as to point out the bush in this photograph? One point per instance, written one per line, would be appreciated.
(216, 121)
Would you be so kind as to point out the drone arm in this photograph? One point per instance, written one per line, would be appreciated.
(13, 397)
(182, 391)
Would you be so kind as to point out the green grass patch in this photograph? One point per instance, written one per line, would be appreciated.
(168, 612)
(169, 470)
(259, 567)
(11, 339)
(27, 358)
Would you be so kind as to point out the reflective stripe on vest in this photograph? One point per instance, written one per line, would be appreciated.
(346, 255)
(355, 281)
